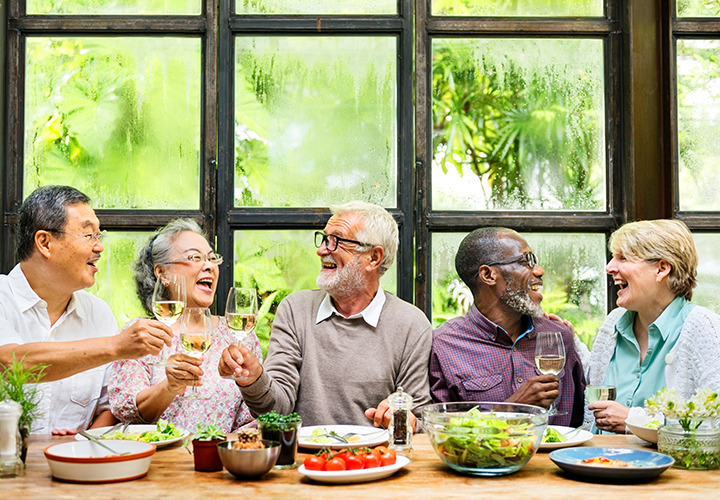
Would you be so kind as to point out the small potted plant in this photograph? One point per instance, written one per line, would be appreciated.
(204, 445)
(17, 382)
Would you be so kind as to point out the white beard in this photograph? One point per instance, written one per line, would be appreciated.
(518, 299)
(344, 282)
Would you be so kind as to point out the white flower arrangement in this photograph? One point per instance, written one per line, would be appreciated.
(703, 405)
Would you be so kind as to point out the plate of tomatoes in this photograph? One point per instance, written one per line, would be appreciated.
(352, 465)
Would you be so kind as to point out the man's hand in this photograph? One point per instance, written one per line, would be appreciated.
(540, 390)
(145, 336)
(381, 415)
(609, 415)
(241, 362)
(183, 370)
(64, 432)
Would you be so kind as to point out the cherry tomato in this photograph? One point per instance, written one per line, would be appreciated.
(372, 460)
(335, 463)
(314, 462)
(388, 458)
(354, 462)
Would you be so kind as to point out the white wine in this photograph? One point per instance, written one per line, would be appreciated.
(195, 343)
(600, 393)
(241, 321)
(550, 365)
(168, 311)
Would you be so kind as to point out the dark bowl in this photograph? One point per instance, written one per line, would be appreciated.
(249, 463)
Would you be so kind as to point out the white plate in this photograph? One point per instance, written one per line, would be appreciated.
(137, 429)
(369, 436)
(354, 476)
(575, 439)
(638, 426)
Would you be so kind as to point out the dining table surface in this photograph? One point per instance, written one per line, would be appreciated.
(172, 476)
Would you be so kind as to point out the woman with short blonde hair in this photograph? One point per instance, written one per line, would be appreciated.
(656, 338)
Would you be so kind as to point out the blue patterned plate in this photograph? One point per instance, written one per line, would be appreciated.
(643, 464)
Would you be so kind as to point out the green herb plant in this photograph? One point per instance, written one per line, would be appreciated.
(205, 432)
(17, 382)
(273, 421)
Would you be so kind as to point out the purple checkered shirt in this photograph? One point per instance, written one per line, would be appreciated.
(473, 359)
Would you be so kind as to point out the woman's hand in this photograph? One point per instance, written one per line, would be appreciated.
(183, 370)
(565, 322)
(609, 415)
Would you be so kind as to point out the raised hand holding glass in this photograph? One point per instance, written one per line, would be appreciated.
(196, 330)
(241, 310)
(550, 357)
(168, 303)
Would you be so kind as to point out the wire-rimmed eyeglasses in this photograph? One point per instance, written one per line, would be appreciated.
(198, 257)
(94, 237)
(331, 241)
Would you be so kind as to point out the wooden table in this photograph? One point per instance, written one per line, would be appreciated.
(172, 476)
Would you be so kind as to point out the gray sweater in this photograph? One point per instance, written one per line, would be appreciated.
(331, 372)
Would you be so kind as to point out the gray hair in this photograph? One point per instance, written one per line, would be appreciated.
(159, 249)
(45, 209)
(481, 246)
(378, 228)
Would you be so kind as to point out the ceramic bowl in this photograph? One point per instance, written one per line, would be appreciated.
(88, 462)
(249, 463)
(485, 439)
(639, 427)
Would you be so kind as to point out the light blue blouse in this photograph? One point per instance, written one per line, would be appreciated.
(635, 381)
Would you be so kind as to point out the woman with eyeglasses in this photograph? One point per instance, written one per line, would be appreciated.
(656, 338)
(142, 391)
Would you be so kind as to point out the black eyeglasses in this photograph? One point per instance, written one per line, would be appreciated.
(331, 241)
(528, 258)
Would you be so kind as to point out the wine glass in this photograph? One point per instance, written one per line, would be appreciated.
(600, 393)
(550, 357)
(195, 337)
(241, 310)
(168, 303)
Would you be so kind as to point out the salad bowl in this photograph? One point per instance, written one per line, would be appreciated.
(485, 438)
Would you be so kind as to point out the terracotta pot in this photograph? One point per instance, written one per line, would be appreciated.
(206, 455)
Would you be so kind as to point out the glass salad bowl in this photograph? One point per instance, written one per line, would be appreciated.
(485, 438)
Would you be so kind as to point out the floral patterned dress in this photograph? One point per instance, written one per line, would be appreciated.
(224, 406)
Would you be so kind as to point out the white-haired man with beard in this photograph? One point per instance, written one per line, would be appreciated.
(336, 353)
(489, 354)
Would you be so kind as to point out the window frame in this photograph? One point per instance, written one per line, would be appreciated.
(609, 28)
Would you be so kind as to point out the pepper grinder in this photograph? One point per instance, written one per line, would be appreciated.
(10, 463)
(400, 403)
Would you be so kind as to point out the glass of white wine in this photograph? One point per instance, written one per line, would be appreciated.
(195, 338)
(550, 358)
(168, 303)
(241, 311)
(600, 393)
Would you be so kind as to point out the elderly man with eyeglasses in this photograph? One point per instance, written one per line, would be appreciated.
(489, 354)
(47, 318)
(336, 353)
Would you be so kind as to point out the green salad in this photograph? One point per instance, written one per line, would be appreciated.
(653, 424)
(485, 442)
(553, 436)
(165, 430)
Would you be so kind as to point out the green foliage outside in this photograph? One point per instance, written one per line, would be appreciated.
(558, 8)
(116, 119)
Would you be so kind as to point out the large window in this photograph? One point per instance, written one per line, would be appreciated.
(559, 118)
